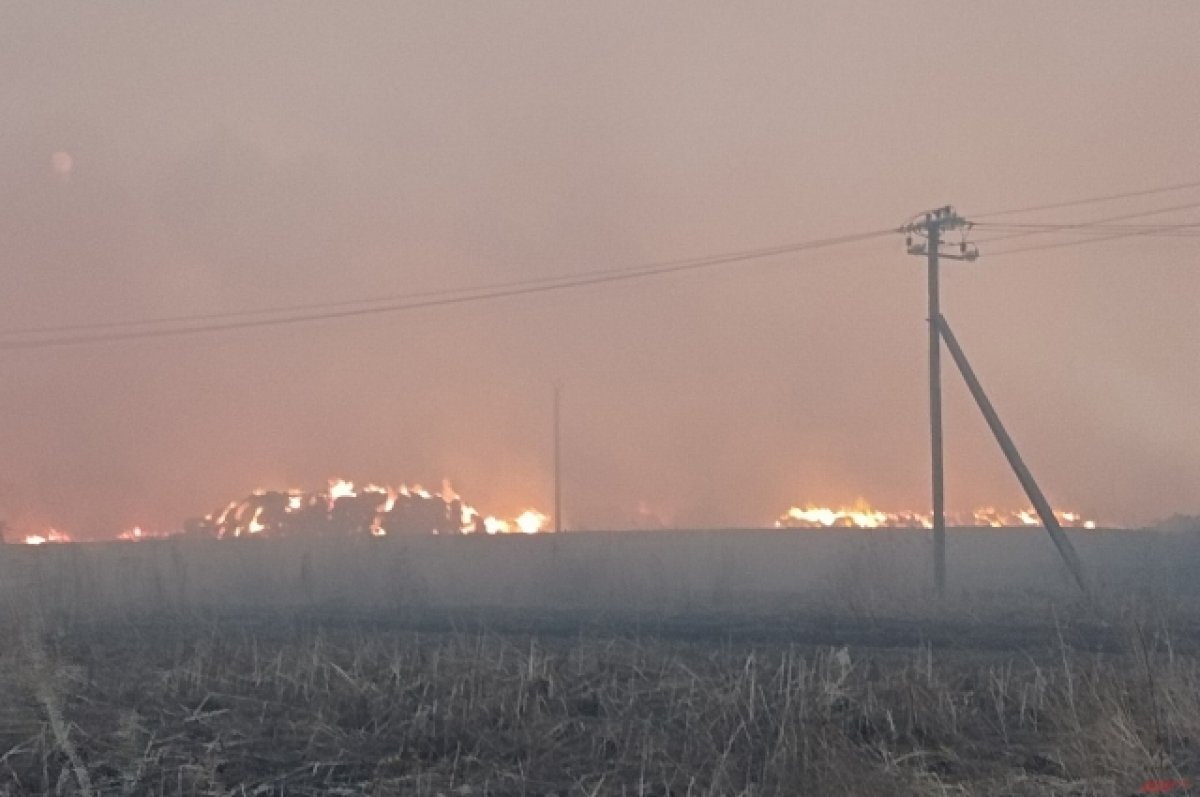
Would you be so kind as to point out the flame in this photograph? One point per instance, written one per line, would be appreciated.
(530, 521)
(860, 516)
(51, 536)
(340, 488)
(374, 510)
(863, 516)
(255, 525)
(987, 516)
(137, 533)
(380, 511)
(224, 516)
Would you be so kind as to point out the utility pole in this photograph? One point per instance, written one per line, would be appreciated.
(935, 411)
(930, 227)
(558, 525)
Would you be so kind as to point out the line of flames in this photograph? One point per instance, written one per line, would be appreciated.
(863, 516)
(226, 523)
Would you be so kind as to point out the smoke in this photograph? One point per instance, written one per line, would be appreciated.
(230, 158)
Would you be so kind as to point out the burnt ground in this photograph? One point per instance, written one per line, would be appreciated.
(341, 701)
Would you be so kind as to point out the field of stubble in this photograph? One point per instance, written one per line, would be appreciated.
(308, 703)
(293, 670)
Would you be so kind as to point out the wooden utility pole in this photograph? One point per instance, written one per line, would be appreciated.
(930, 227)
(935, 413)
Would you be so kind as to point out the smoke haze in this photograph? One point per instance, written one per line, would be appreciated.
(165, 159)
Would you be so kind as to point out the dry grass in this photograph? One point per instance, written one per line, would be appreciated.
(288, 704)
(322, 668)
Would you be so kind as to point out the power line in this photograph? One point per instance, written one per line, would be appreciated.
(431, 299)
(1188, 228)
(1061, 244)
(394, 298)
(1090, 200)
(282, 315)
(1119, 217)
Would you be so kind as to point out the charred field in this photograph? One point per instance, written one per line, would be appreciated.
(316, 668)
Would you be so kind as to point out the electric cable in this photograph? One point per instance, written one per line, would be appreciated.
(1090, 200)
(1062, 244)
(1119, 217)
(389, 298)
(433, 299)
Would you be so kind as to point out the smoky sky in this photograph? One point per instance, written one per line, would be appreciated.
(227, 156)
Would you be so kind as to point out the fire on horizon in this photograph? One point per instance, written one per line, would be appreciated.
(863, 516)
(379, 511)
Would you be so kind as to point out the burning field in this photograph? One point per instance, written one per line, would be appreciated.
(348, 510)
(343, 509)
(863, 516)
(396, 641)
